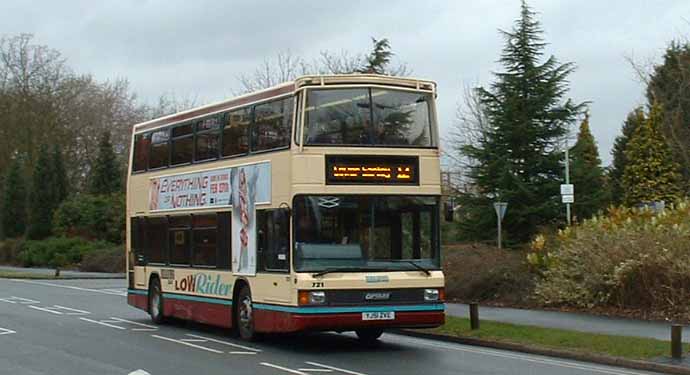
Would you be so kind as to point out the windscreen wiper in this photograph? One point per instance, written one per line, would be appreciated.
(346, 269)
(415, 265)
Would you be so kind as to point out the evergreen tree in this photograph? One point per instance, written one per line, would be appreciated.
(14, 202)
(591, 194)
(668, 86)
(105, 172)
(517, 158)
(651, 174)
(60, 185)
(635, 119)
(378, 58)
(41, 197)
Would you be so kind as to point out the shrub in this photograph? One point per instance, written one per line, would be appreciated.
(106, 260)
(93, 217)
(628, 258)
(9, 251)
(480, 272)
(58, 251)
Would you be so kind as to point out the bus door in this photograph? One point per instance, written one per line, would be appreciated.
(273, 253)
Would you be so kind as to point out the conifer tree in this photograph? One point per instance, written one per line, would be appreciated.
(635, 119)
(105, 175)
(379, 58)
(14, 202)
(651, 175)
(668, 87)
(60, 186)
(41, 197)
(517, 158)
(591, 194)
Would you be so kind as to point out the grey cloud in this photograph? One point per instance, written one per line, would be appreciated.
(197, 48)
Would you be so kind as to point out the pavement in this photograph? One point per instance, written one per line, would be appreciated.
(64, 273)
(86, 327)
(572, 321)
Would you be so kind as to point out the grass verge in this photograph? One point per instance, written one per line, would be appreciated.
(24, 275)
(558, 339)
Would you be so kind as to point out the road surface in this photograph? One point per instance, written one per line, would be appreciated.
(86, 327)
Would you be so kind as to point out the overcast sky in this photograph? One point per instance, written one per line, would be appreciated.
(196, 49)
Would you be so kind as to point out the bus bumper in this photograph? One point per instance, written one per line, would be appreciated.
(275, 321)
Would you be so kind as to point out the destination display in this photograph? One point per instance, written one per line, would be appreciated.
(355, 169)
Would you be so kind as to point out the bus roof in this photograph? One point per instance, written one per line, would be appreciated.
(286, 88)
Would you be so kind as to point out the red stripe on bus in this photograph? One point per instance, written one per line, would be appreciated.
(277, 321)
(202, 312)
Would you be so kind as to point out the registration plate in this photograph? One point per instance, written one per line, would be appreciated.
(379, 315)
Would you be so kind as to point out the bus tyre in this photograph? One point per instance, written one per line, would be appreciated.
(245, 315)
(156, 301)
(370, 335)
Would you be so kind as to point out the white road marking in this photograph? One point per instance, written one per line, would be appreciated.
(15, 299)
(146, 326)
(250, 353)
(45, 309)
(225, 343)
(188, 344)
(102, 323)
(139, 372)
(102, 291)
(545, 361)
(335, 368)
(283, 368)
(58, 310)
(74, 311)
(314, 369)
(193, 340)
(115, 290)
(5, 331)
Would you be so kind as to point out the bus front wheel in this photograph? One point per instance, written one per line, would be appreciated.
(370, 335)
(245, 315)
(156, 302)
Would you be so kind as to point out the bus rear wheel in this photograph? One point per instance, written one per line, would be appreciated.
(156, 302)
(369, 335)
(244, 311)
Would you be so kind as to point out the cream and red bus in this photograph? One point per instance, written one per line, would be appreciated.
(311, 205)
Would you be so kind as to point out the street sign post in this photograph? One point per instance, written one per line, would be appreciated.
(500, 208)
(567, 189)
(567, 196)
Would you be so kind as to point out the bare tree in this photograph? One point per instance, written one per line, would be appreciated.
(469, 128)
(287, 66)
(283, 68)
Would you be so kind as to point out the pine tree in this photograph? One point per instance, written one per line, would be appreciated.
(635, 119)
(668, 87)
(591, 194)
(14, 202)
(105, 175)
(651, 175)
(60, 187)
(516, 159)
(379, 58)
(41, 197)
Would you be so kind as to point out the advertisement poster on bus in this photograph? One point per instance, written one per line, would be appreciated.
(191, 190)
(247, 188)
(204, 189)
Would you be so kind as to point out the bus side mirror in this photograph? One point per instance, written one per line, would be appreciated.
(448, 211)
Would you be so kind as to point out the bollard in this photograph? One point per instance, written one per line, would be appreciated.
(676, 341)
(474, 316)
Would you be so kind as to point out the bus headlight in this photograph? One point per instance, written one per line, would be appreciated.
(317, 298)
(433, 295)
(308, 297)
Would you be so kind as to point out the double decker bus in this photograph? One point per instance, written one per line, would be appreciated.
(309, 206)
